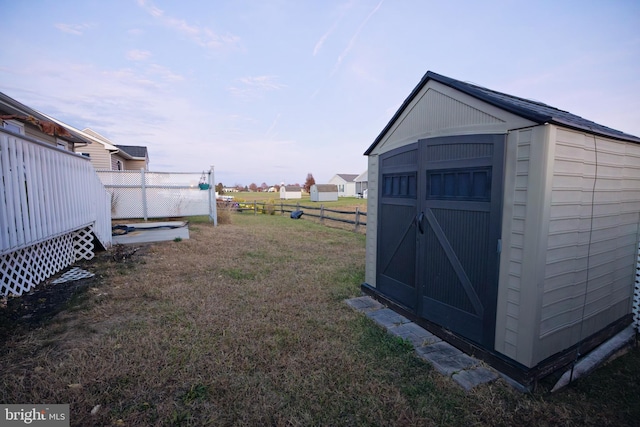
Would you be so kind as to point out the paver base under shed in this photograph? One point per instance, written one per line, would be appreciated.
(445, 358)
(467, 371)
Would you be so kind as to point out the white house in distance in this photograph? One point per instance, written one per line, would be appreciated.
(362, 182)
(345, 183)
(323, 193)
(290, 192)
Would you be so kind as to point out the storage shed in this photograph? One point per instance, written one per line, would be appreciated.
(506, 226)
(290, 192)
(323, 193)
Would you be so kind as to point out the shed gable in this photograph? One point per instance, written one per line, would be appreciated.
(435, 110)
(438, 110)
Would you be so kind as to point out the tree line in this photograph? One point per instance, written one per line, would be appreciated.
(253, 187)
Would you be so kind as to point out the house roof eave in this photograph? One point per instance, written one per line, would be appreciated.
(15, 107)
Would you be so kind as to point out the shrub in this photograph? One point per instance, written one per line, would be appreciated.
(269, 207)
(224, 214)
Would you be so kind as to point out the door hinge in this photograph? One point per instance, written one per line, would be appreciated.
(499, 246)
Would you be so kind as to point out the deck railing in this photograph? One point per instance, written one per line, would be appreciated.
(51, 205)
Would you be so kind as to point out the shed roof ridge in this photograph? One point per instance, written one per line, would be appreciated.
(536, 111)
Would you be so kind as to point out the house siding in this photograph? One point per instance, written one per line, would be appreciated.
(345, 188)
(135, 164)
(100, 158)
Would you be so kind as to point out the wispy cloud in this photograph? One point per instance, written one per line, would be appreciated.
(269, 131)
(353, 39)
(262, 82)
(138, 55)
(249, 86)
(165, 73)
(75, 29)
(202, 36)
(324, 37)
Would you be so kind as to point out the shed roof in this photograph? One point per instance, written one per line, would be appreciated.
(326, 188)
(533, 110)
(292, 188)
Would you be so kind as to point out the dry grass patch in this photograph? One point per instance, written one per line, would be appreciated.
(245, 324)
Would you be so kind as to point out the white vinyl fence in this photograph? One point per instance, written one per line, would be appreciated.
(143, 194)
(51, 205)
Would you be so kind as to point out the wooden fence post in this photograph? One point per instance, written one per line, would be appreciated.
(322, 213)
(255, 212)
(357, 218)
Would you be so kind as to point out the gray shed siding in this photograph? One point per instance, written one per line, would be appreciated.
(567, 267)
(545, 303)
(372, 222)
(522, 257)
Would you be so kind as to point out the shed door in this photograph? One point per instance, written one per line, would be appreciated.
(397, 213)
(458, 233)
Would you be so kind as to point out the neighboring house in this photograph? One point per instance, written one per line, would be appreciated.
(505, 226)
(290, 192)
(323, 193)
(22, 120)
(361, 184)
(132, 157)
(345, 183)
(105, 155)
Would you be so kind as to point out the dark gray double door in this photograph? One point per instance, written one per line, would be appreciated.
(439, 220)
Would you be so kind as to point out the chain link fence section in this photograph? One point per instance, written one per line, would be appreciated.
(141, 194)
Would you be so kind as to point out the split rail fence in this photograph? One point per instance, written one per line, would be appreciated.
(322, 213)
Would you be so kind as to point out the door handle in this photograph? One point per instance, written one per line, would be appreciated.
(419, 220)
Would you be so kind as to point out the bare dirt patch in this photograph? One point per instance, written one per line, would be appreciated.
(37, 307)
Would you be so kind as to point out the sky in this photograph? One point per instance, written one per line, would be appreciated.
(269, 91)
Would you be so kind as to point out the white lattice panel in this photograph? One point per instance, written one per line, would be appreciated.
(24, 269)
(636, 294)
(83, 244)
